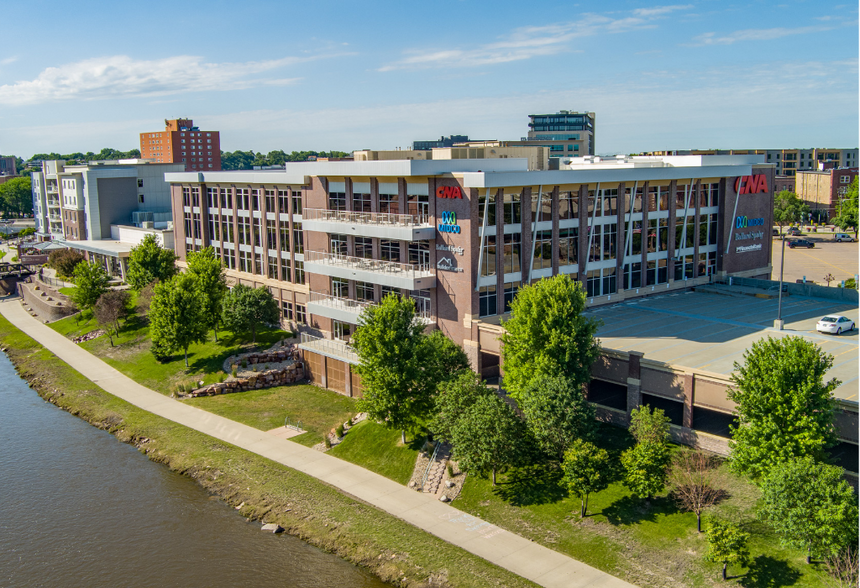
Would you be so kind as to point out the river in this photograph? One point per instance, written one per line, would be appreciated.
(79, 508)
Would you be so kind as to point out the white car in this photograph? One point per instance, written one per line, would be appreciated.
(833, 323)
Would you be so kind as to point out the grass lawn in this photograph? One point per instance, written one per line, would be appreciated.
(647, 544)
(319, 410)
(67, 290)
(378, 448)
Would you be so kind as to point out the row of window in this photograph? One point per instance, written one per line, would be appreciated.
(415, 252)
(388, 203)
(253, 263)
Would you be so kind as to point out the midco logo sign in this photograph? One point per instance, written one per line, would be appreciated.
(449, 192)
(751, 185)
(743, 222)
(449, 223)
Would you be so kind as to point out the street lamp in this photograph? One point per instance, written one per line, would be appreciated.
(778, 323)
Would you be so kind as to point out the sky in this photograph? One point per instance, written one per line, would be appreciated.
(378, 75)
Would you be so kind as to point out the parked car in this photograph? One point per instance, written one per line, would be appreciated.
(800, 243)
(794, 232)
(834, 323)
(839, 237)
(776, 233)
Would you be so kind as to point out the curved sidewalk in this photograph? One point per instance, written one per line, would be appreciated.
(502, 548)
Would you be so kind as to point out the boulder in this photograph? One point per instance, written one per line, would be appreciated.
(272, 528)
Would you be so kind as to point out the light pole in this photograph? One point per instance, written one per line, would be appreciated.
(778, 323)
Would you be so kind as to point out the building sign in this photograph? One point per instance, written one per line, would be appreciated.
(449, 223)
(745, 248)
(751, 184)
(447, 264)
(449, 192)
(743, 222)
(451, 248)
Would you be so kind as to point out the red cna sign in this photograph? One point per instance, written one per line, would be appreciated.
(751, 185)
(449, 192)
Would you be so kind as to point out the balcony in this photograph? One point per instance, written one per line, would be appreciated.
(376, 271)
(328, 347)
(348, 311)
(381, 225)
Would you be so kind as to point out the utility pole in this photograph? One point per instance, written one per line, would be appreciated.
(778, 323)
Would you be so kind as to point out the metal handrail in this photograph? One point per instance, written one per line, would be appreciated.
(365, 218)
(374, 265)
(294, 425)
(335, 347)
(346, 304)
(430, 464)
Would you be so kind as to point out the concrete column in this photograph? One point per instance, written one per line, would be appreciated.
(689, 398)
(556, 194)
(645, 233)
(621, 235)
(324, 370)
(526, 232)
(634, 381)
(696, 221)
(673, 220)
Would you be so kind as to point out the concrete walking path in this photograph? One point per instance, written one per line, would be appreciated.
(502, 548)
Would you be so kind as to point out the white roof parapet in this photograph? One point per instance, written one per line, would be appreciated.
(405, 167)
(237, 177)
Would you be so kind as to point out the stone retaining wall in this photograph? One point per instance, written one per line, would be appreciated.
(49, 306)
(267, 379)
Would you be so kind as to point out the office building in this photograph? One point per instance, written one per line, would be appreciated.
(822, 190)
(537, 156)
(786, 161)
(442, 142)
(182, 142)
(8, 166)
(566, 133)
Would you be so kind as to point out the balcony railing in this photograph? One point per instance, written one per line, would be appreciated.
(366, 218)
(422, 307)
(406, 270)
(337, 349)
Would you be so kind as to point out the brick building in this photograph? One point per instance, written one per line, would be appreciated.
(822, 190)
(182, 142)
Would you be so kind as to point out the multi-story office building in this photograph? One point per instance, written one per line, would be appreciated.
(823, 190)
(182, 142)
(537, 156)
(786, 161)
(566, 133)
(442, 142)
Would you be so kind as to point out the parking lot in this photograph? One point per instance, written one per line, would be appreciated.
(841, 260)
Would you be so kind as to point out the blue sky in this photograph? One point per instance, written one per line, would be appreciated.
(352, 75)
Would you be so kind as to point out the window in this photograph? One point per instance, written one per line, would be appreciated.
(226, 198)
(418, 206)
(270, 201)
(487, 301)
(340, 287)
(510, 292)
(258, 231)
(286, 274)
(491, 213)
(512, 253)
(364, 291)
(140, 183)
(297, 203)
(301, 314)
(388, 203)
(633, 275)
(361, 202)
(259, 268)
(273, 268)
(636, 239)
(287, 310)
(511, 209)
(214, 226)
(419, 254)
(390, 250)
(543, 251)
(337, 201)
(244, 230)
(568, 246)
(364, 247)
(341, 330)
(255, 199)
(283, 202)
(298, 238)
(272, 234)
(338, 244)
(243, 199)
(186, 196)
(227, 229)
(245, 261)
(140, 198)
(300, 272)
(488, 263)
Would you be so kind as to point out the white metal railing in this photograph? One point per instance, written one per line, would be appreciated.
(408, 270)
(366, 218)
(422, 308)
(330, 346)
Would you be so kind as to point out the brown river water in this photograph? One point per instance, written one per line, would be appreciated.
(79, 508)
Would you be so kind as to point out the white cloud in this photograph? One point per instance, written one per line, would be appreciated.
(753, 35)
(528, 42)
(8, 60)
(121, 76)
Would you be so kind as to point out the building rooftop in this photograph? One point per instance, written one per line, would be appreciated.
(710, 331)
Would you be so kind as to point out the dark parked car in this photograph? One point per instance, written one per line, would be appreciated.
(800, 243)
(794, 232)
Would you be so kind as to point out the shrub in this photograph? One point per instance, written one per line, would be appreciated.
(327, 442)
(450, 470)
(234, 371)
(339, 431)
(64, 261)
(221, 377)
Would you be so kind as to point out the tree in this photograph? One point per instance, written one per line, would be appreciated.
(649, 426)
(91, 282)
(176, 316)
(487, 436)
(246, 309)
(784, 409)
(388, 341)
(211, 284)
(547, 335)
(148, 262)
(26, 232)
(557, 412)
(16, 196)
(847, 210)
(810, 506)
(586, 469)
(646, 468)
(441, 360)
(693, 486)
(110, 308)
(454, 397)
(843, 568)
(788, 208)
(144, 298)
(64, 261)
(727, 544)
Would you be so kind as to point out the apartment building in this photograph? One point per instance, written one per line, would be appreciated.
(449, 141)
(786, 161)
(822, 190)
(182, 142)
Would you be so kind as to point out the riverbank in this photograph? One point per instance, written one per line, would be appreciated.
(260, 489)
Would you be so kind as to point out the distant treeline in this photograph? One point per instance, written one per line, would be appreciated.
(78, 157)
(249, 159)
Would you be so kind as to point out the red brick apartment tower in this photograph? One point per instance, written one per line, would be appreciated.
(182, 142)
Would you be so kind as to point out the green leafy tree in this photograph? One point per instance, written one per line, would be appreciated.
(788, 208)
(176, 316)
(16, 196)
(646, 468)
(487, 436)
(547, 335)
(91, 281)
(649, 426)
(810, 506)
(847, 210)
(441, 360)
(727, 544)
(784, 408)
(454, 397)
(211, 284)
(148, 262)
(586, 470)
(27, 231)
(557, 412)
(64, 261)
(246, 309)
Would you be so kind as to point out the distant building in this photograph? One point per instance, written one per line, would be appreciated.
(182, 142)
(781, 183)
(567, 133)
(537, 156)
(442, 142)
(787, 161)
(103, 207)
(8, 166)
(822, 190)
